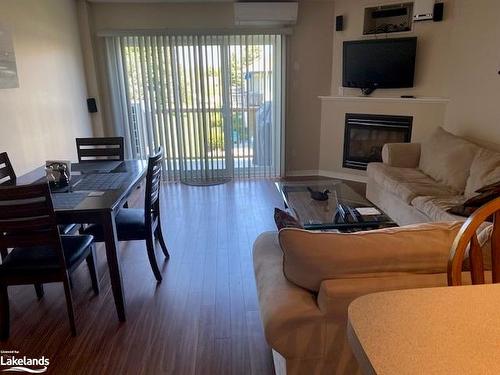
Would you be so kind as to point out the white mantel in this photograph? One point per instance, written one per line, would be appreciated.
(387, 99)
(428, 113)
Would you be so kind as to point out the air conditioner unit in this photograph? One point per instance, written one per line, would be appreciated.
(265, 14)
(423, 10)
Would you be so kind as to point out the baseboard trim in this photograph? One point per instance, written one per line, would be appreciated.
(302, 173)
(340, 175)
(344, 176)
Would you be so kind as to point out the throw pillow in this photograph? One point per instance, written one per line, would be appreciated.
(487, 194)
(485, 170)
(284, 220)
(447, 159)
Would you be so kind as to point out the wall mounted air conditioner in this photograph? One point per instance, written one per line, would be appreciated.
(265, 14)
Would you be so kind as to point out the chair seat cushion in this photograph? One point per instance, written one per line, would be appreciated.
(45, 258)
(130, 226)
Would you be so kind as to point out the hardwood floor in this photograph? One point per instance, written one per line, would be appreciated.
(202, 319)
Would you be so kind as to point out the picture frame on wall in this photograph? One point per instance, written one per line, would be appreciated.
(8, 68)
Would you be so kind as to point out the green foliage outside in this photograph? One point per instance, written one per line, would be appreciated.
(160, 63)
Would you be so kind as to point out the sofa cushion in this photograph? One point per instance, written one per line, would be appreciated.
(484, 170)
(447, 159)
(406, 183)
(436, 208)
(311, 257)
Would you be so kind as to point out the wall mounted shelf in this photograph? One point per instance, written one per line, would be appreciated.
(386, 19)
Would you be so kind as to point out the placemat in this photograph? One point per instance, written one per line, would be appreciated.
(96, 166)
(67, 200)
(100, 182)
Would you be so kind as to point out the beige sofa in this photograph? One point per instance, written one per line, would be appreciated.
(417, 183)
(306, 280)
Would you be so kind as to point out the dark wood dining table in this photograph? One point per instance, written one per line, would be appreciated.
(97, 192)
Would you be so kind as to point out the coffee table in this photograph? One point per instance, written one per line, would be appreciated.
(323, 215)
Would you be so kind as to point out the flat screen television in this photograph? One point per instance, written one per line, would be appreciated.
(379, 63)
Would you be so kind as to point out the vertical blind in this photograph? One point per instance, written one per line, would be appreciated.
(214, 102)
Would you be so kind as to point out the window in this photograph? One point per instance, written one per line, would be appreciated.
(214, 102)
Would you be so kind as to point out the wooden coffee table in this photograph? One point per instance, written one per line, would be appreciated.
(322, 215)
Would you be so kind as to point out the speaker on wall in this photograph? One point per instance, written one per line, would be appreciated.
(339, 23)
(91, 105)
(437, 15)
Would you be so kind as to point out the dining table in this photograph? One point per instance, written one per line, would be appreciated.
(444, 330)
(97, 191)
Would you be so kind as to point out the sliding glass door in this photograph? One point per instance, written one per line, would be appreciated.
(214, 102)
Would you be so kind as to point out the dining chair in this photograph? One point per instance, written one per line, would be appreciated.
(39, 253)
(467, 239)
(7, 174)
(100, 149)
(8, 177)
(134, 224)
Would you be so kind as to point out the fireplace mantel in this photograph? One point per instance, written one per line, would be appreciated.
(428, 113)
(418, 100)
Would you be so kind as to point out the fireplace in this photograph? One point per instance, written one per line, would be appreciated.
(366, 134)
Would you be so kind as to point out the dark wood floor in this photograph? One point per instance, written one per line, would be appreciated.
(202, 319)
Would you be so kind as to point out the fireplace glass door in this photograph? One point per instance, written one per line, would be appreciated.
(366, 134)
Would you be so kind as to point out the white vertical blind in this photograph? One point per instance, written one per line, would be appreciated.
(214, 102)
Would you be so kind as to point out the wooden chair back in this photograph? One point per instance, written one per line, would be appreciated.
(7, 174)
(27, 219)
(153, 186)
(100, 149)
(467, 238)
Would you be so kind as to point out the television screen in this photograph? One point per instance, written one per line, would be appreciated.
(381, 63)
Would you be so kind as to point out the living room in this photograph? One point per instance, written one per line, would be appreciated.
(288, 187)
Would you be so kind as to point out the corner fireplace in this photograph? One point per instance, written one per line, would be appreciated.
(366, 134)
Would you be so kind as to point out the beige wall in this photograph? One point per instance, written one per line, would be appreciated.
(41, 118)
(433, 59)
(309, 75)
(474, 79)
(457, 58)
(309, 51)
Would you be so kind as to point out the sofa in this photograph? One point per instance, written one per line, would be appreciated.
(419, 182)
(306, 280)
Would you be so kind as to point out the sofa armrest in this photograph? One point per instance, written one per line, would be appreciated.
(402, 155)
(293, 323)
(335, 295)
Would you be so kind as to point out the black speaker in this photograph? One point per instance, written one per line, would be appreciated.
(438, 12)
(339, 23)
(91, 105)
